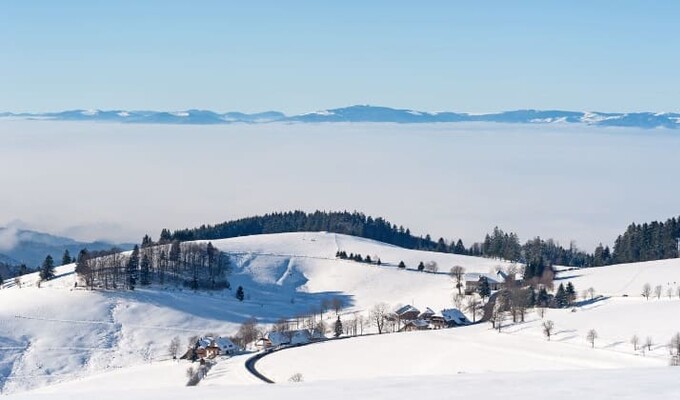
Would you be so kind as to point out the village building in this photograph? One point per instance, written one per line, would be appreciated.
(208, 347)
(407, 313)
(454, 317)
(415, 325)
(472, 281)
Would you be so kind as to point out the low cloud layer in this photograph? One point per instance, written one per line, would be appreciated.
(116, 181)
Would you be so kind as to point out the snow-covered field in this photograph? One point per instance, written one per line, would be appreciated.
(72, 343)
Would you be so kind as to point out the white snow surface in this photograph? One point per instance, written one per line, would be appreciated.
(61, 342)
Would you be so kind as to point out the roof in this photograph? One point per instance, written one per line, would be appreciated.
(491, 278)
(289, 337)
(406, 309)
(418, 323)
(454, 315)
(224, 344)
(427, 313)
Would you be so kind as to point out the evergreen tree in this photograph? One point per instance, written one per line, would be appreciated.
(338, 327)
(83, 268)
(166, 236)
(132, 268)
(66, 258)
(460, 248)
(571, 293)
(240, 295)
(421, 267)
(531, 297)
(378, 262)
(402, 265)
(368, 259)
(47, 269)
(147, 241)
(543, 297)
(561, 300)
(484, 289)
(144, 272)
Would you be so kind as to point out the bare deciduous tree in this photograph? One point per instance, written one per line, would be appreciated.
(497, 315)
(635, 341)
(548, 327)
(458, 300)
(173, 348)
(248, 332)
(657, 291)
(646, 291)
(378, 315)
(541, 311)
(473, 306)
(591, 293)
(457, 272)
(337, 304)
(669, 292)
(591, 336)
(432, 267)
(648, 343)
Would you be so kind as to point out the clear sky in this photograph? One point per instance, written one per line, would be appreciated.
(298, 56)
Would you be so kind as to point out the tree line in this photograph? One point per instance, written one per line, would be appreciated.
(193, 265)
(354, 223)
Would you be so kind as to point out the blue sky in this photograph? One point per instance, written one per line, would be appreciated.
(300, 56)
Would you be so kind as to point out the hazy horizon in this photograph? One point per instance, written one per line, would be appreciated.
(117, 181)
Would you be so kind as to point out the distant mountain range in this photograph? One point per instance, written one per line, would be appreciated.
(32, 247)
(364, 113)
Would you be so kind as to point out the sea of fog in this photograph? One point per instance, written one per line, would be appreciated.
(118, 181)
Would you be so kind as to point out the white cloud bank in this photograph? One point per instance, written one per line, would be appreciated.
(452, 180)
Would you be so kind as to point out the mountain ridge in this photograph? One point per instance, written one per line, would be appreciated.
(364, 114)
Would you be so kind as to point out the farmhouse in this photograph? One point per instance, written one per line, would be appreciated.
(209, 347)
(472, 281)
(415, 325)
(286, 338)
(454, 317)
(407, 313)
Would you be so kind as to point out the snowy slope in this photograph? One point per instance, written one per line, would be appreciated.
(627, 279)
(85, 341)
(628, 384)
(56, 333)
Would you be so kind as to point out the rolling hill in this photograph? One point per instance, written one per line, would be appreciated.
(66, 340)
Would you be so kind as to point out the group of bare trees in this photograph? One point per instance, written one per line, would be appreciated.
(658, 291)
(195, 265)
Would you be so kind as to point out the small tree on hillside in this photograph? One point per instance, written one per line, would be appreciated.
(66, 258)
(571, 293)
(635, 341)
(591, 336)
(47, 269)
(338, 327)
(401, 265)
(240, 294)
(484, 289)
(378, 315)
(473, 306)
(548, 327)
(144, 271)
(457, 273)
(173, 348)
(657, 291)
(132, 268)
(421, 267)
(646, 291)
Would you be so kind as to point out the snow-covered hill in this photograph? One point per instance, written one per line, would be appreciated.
(84, 341)
(58, 332)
